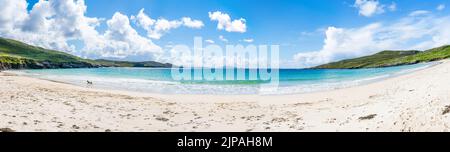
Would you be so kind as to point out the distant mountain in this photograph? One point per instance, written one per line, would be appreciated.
(146, 64)
(18, 55)
(390, 58)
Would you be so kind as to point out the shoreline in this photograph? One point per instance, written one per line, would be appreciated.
(199, 96)
(134, 92)
(409, 102)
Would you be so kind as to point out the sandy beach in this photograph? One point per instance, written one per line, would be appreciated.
(418, 101)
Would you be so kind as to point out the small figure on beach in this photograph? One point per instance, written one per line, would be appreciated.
(89, 82)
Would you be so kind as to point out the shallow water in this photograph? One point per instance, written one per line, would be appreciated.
(161, 80)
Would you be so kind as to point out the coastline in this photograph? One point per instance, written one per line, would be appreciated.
(146, 85)
(409, 102)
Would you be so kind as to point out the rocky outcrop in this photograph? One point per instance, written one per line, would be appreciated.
(31, 64)
(49, 65)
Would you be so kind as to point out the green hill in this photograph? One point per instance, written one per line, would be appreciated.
(390, 58)
(18, 55)
(148, 64)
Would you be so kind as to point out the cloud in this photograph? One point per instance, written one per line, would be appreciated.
(418, 13)
(441, 7)
(13, 13)
(121, 40)
(143, 20)
(369, 8)
(188, 22)
(392, 7)
(225, 22)
(53, 24)
(157, 28)
(163, 26)
(248, 40)
(410, 32)
(49, 24)
(210, 41)
(223, 38)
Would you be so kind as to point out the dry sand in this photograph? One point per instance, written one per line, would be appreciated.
(418, 101)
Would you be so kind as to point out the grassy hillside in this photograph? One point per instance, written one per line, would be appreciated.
(434, 54)
(17, 55)
(390, 58)
(149, 64)
(20, 49)
(9, 62)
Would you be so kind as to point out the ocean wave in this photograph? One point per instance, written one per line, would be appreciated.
(289, 84)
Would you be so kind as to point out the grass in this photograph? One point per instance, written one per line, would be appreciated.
(391, 58)
(376, 60)
(15, 62)
(12, 59)
(434, 54)
(19, 49)
(15, 54)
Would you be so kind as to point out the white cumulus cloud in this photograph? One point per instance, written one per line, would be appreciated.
(410, 32)
(49, 24)
(369, 8)
(225, 22)
(188, 22)
(121, 40)
(56, 24)
(157, 28)
(143, 20)
(12, 13)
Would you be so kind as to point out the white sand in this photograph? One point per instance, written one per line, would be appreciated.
(412, 102)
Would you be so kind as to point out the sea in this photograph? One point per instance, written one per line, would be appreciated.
(164, 80)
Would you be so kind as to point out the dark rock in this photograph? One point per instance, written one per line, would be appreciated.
(446, 110)
(75, 127)
(6, 130)
(162, 119)
(46, 65)
(367, 117)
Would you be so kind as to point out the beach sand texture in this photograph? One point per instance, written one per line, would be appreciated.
(419, 101)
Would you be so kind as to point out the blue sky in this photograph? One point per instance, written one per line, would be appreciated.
(298, 26)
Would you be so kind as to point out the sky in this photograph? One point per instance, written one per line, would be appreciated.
(309, 32)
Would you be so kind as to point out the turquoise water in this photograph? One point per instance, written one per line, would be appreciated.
(161, 81)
